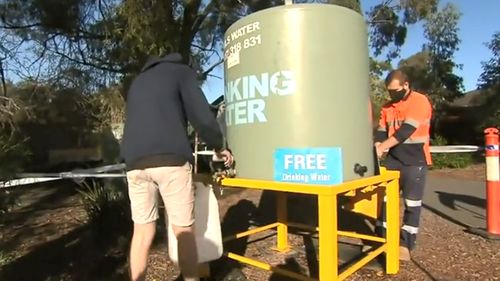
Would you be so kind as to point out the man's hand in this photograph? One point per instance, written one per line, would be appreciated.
(379, 149)
(227, 156)
(384, 146)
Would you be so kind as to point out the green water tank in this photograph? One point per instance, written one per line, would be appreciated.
(297, 94)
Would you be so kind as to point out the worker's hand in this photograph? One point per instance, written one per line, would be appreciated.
(227, 156)
(379, 149)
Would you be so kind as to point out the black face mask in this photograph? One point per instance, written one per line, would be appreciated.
(397, 95)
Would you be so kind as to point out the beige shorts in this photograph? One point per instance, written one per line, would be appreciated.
(175, 186)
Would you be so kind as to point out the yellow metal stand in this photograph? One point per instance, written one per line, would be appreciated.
(365, 196)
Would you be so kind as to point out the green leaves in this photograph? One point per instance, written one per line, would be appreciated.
(491, 68)
(432, 70)
(384, 26)
(489, 82)
(111, 39)
(150, 26)
(441, 31)
(389, 20)
(93, 44)
(415, 10)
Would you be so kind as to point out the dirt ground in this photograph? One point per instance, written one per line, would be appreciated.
(473, 173)
(46, 238)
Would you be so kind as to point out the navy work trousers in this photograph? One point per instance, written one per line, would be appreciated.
(412, 184)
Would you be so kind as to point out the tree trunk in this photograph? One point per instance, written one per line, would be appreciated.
(2, 76)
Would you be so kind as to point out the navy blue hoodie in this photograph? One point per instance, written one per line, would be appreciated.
(160, 102)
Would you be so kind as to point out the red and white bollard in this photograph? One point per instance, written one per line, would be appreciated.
(492, 152)
(492, 181)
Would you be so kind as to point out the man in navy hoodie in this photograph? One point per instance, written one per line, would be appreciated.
(162, 99)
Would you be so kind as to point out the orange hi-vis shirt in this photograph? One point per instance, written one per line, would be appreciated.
(414, 113)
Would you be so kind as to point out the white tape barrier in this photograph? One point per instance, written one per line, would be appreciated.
(31, 178)
(26, 181)
(41, 177)
(99, 172)
(454, 148)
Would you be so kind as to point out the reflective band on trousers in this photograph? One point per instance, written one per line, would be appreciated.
(410, 229)
(413, 203)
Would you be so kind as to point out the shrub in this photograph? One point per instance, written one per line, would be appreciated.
(107, 206)
(5, 258)
(13, 149)
(450, 160)
(13, 154)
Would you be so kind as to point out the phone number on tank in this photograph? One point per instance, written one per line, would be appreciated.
(247, 43)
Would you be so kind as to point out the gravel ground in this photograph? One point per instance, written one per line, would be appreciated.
(45, 239)
(476, 172)
(445, 252)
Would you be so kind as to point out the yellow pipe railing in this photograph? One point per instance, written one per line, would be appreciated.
(361, 236)
(266, 266)
(251, 231)
(328, 222)
(341, 233)
(361, 262)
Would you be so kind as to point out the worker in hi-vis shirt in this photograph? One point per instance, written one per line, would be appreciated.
(403, 133)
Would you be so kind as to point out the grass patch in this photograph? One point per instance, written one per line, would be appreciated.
(450, 160)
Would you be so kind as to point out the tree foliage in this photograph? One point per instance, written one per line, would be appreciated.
(102, 41)
(389, 21)
(441, 31)
(432, 70)
(13, 152)
(79, 54)
(95, 44)
(91, 44)
(491, 68)
(489, 82)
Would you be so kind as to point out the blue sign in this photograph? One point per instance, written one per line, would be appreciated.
(321, 165)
